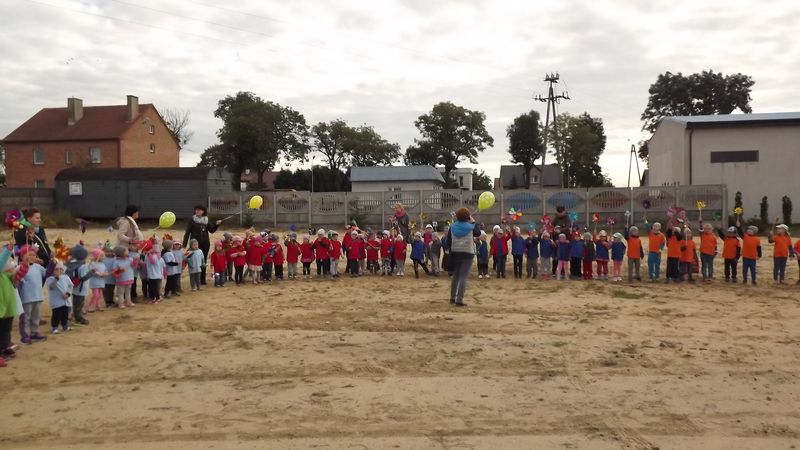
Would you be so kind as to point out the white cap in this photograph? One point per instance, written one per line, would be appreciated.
(783, 226)
(731, 229)
(656, 225)
(602, 233)
(617, 235)
(483, 233)
(417, 234)
(354, 233)
(496, 228)
(428, 226)
(386, 232)
(321, 232)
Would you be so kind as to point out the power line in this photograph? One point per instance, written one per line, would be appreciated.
(552, 100)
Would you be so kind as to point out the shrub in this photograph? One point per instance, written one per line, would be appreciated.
(58, 219)
(247, 220)
(764, 213)
(786, 204)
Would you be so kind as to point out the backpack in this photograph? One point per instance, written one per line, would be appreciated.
(72, 273)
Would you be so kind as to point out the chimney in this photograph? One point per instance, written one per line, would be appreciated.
(133, 107)
(74, 110)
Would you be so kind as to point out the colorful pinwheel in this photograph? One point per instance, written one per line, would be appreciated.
(514, 215)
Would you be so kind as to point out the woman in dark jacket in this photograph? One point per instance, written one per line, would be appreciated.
(34, 235)
(197, 227)
(401, 217)
(460, 245)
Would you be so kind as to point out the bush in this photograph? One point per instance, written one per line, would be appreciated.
(787, 209)
(764, 213)
(58, 219)
(247, 220)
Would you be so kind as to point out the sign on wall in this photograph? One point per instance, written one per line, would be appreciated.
(75, 188)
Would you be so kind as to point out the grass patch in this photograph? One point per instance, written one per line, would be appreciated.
(619, 293)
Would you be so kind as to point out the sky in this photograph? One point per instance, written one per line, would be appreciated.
(384, 63)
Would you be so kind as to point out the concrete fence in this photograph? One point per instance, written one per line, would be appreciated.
(373, 209)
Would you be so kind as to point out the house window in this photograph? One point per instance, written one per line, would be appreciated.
(735, 156)
(152, 148)
(461, 181)
(67, 157)
(95, 155)
(152, 129)
(38, 155)
(394, 189)
(534, 179)
(38, 184)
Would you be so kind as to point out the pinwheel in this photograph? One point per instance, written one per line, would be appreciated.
(514, 215)
(611, 221)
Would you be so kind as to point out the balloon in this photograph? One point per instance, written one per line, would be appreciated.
(255, 202)
(485, 201)
(166, 220)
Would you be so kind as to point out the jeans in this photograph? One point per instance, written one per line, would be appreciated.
(576, 268)
(238, 274)
(653, 265)
(517, 266)
(108, 294)
(483, 268)
(462, 265)
(292, 269)
(532, 267)
(6, 323)
(334, 268)
(194, 280)
(779, 268)
(219, 278)
(731, 265)
(434, 263)
(602, 268)
(500, 264)
(279, 270)
(634, 268)
(32, 316)
(122, 294)
(266, 272)
(707, 266)
(154, 288)
(419, 262)
(686, 269)
(748, 265)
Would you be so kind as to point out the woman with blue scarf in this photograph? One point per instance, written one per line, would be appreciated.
(460, 245)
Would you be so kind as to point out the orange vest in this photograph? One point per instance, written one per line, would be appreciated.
(655, 242)
(673, 247)
(687, 253)
(750, 246)
(782, 245)
(708, 243)
(729, 247)
(635, 247)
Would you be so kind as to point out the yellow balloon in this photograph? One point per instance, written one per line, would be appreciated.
(486, 200)
(256, 201)
(166, 220)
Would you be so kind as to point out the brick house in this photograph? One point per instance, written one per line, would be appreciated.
(114, 136)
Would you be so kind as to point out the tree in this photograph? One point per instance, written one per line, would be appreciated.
(177, 121)
(450, 134)
(255, 134)
(707, 92)
(579, 142)
(525, 143)
(786, 206)
(481, 181)
(342, 145)
(737, 200)
(764, 213)
(325, 180)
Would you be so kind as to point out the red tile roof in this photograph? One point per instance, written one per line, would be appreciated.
(97, 123)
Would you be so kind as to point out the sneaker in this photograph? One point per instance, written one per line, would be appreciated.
(26, 340)
(67, 329)
(460, 304)
(37, 338)
(480, 276)
(8, 353)
(83, 322)
(54, 331)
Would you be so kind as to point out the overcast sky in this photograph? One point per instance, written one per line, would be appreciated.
(384, 63)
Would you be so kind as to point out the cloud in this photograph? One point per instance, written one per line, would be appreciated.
(385, 63)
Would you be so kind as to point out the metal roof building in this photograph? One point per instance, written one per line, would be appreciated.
(395, 178)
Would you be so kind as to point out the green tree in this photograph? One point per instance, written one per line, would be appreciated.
(579, 142)
(255, 134)
(786, 206)
(764, 213)
(525, 142)
(325, 180)
(342, 145)
(737, 200)
(481, 181)
(707, 92)
(450, 134)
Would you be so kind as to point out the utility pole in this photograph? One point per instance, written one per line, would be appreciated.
(552, 99)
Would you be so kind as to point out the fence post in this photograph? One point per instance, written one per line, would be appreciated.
(274, 211)
(241, 211)
(382, 210)
(347, 210)
(421, 222)
(502, 204)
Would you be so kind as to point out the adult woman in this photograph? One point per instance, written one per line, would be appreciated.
(461, 248)
(562, 219)
(127, 229)
(401, 217)
(34, 235)
(198, 228)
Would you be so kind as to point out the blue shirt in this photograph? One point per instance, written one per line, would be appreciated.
(30, 287)
(109, 263)
(125, 266)
(97, 281)
(177, 255)
(82, 288)
(617, 251)
(546, 248)
(577, 248)
(532, 247)
(483, 252)
(601, 251)
(195, 261)
(155, 269)
(417, 249)
(517, 245)
(563, 250)
(56, 288)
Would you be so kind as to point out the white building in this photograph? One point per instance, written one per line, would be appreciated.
(755, 154)
(395, 178)
(461, 175)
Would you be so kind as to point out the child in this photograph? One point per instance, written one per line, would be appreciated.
(399, 254)
(276, 252)
(266, 255)
(122, 270)
(617, 255)
(588, 255)
(482, 251)
(386, 253)
(708, 250)
(602, 248)
(238, 254)
(655, 243)
(731, 252)
(80, 273)
(517, 251)
(546, 249)
(564, 252)
(418, 254)
(435, 253)
(173, 269)
(347, 241)
(31, 294)
(219, 262)
(306, 256)
(59, 292)
(256, 261)
(293, 255)
(194, 259)
(751, 252)
(532, 252)
(635, 254)
(155, 266)
(143, 248)
(352, 254)
(133, 252)
(10, 305)
(227, 243)
(177, 251)
(782, 251)
(362, 255)
(674, 238)
(373, 250)
(687, 255)
(322, 251)
(335, 253)
(499, 251)
(427, 238)
(97, 282)
(576, 254)
(108, 260)
(797, 253)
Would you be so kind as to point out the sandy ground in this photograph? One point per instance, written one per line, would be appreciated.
(387, 363)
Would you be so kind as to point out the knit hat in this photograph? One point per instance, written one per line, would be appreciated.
(617, 235)
(496, 228)
(386, 232)
(107, 247)
(634, 230)
(237, 239)
(656, 226)
(428, 226)
(25, 249)
(176, 243)
(602, 233)
(587, 235)
(732, 230)
(96, 253)
(334, 233)
(273, 237)
(227, 236)
(192, 242)
(78, 252)
(60, 266)
(120, 250)
(417, 234)
(399, 236)
(293, 235)
(483, 233)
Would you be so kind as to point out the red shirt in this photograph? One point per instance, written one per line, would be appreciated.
(219, 261)
(292, 252)
(750, 246)
(674, 247)
(687, 251)
(336, 249)
(427, 237)
(399, 249)
(321, 246)
(634, 247)
(373, 246)
(347, 240)
(355, 249)
(277, 254)
(255, 255)
(708, 243)
(306, 252)
(655, 242)
(386, 247)
(782, 245)
(238, 254)
(730, 247)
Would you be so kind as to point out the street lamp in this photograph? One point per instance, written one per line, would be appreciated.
(312, 172)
